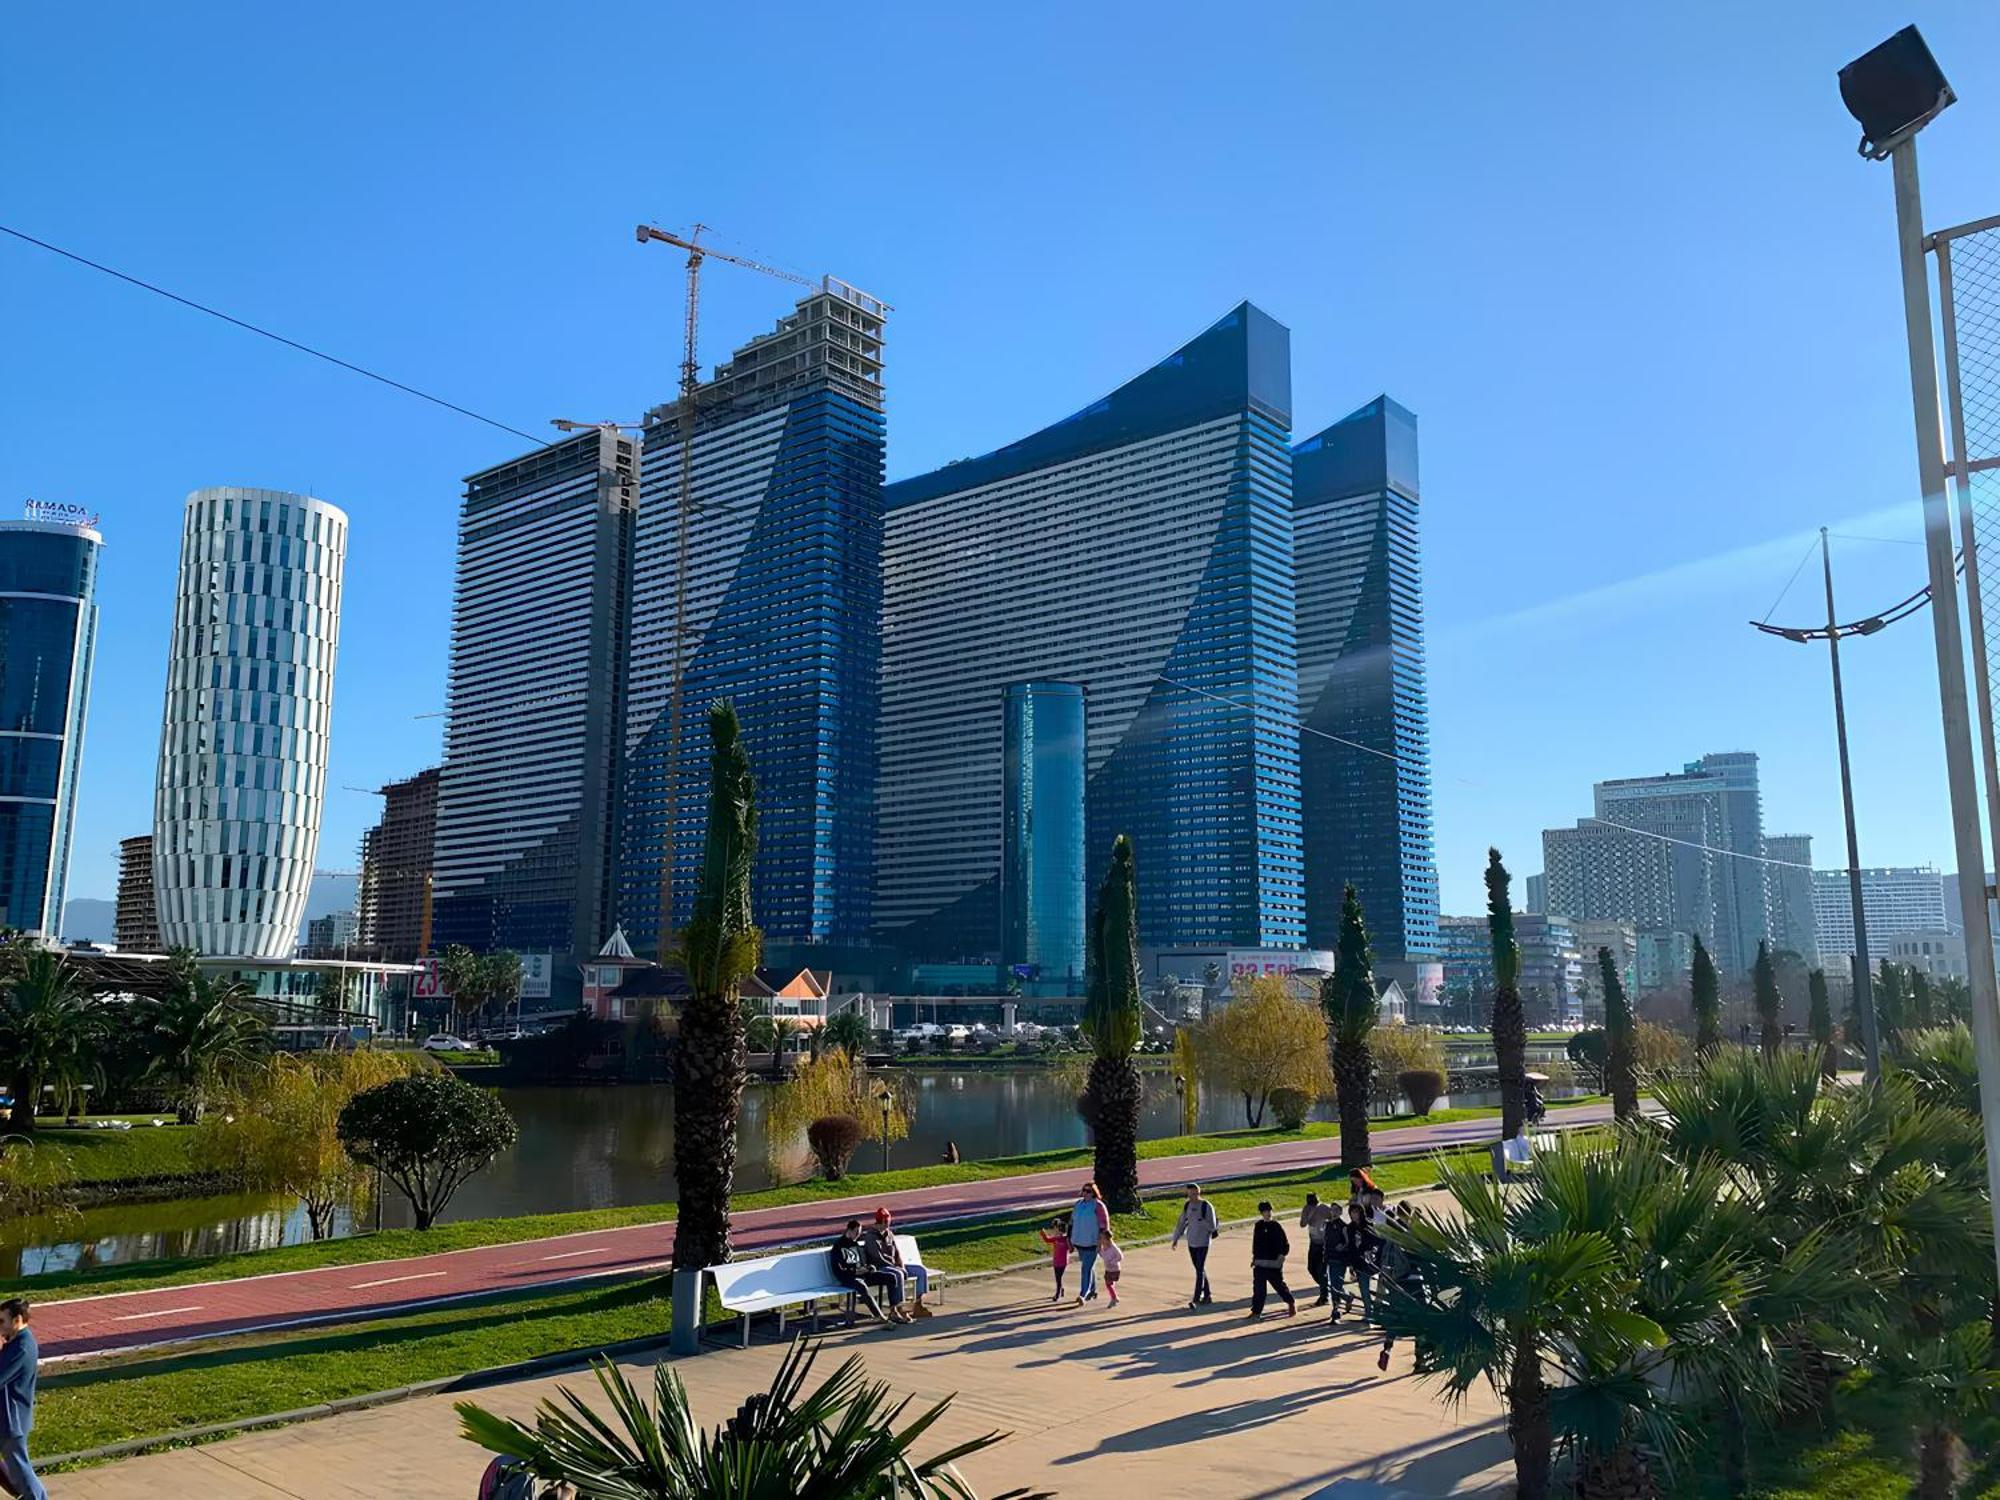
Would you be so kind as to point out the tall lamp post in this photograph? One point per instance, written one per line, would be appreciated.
(1894, 91)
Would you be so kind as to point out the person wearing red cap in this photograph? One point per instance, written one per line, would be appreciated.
(878, 1243)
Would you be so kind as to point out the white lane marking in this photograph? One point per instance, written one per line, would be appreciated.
(362, 1286)
(573, 1254)
(165, 1312)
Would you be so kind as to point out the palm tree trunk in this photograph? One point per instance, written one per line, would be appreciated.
(26, 1093)
(1620, 1474)
(1528, 1426)
(1510, 1051)
(1115, 1093)
(1354, 1070)
(1940, 1462)
(708, 1091)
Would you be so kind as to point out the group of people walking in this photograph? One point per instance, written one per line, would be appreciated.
(1085, 1232)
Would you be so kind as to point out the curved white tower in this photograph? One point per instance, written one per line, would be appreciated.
(243, 742)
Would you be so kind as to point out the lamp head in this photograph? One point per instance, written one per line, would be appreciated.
(1893, 91)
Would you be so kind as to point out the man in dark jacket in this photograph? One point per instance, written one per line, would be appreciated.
(851, 1270)
(20, 1361)
(1268, 1249)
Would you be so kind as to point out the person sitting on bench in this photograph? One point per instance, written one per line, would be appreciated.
(851, 1270)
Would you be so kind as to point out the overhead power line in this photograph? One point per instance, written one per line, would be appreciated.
(276, 338)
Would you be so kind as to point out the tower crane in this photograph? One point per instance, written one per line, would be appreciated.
(683, 527)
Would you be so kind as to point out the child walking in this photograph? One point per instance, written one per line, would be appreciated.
(1111, 1258)
(1056, 1237)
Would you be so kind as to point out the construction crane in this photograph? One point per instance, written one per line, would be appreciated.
(683, 528)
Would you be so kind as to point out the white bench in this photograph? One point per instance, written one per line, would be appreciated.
(800, 1278)
(1516, 1157)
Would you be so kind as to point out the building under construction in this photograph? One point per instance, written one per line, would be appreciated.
(393, 903)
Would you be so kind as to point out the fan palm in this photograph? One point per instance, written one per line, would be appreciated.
(50, 1028)
(840, 1442)
(196, 1036)
(1941, 1067)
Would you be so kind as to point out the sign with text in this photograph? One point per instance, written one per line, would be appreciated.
(58, 513)
(537, 972)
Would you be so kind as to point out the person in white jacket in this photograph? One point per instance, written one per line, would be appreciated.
(1197, 1225)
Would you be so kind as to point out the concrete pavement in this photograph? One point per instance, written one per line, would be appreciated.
(1148, 1397)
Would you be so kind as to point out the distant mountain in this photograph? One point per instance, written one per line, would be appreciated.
(89, 921)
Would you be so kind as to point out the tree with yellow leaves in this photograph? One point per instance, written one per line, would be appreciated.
(1265, 1039)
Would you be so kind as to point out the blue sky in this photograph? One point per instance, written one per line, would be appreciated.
(1621, 260)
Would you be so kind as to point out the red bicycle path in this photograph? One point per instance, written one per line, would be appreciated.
(123, 1321)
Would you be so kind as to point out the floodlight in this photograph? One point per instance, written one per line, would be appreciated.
(1893, 91)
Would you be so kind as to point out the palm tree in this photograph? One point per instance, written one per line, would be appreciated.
(841, 1442)
(1621, 1067)
(49, 1032)
(1111, 1023)
(719, 948)
(466, 978)
(1942, 1068)
(197, 1035)
(1764, 984)
(1922, 1013)
(1706, 987)
(1510, 1023)
(1889, 1002)
(1819, 1020)
(1352, 1007)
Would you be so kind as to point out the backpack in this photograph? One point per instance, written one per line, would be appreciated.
(506, 1479)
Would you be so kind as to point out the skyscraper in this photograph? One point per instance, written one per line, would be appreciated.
(1042, 856)
(1893, 900)
(243, 740)
(783, 618)
(136, 923)
(1141, 548)
(48, 636)
(526, 797)
(1364, 749)
(394, 900)
(1790, 876)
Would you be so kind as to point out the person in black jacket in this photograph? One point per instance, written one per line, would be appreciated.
(1268, 1249)
(1360, 1252)
(851, 1270)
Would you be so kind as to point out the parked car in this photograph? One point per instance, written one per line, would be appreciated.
(445, 1042)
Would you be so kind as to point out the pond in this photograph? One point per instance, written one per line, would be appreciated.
(607, 1147)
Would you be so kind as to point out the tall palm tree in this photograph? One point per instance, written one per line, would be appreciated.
(1352, 1007)
(1706, 987)
(1764, 986)
(197, 1035)
(1621, 1066)
(1510, 1022)
(718, 950)
(840, 1442)
(50, 1028)
(1111, 1024)
(1819, 1020)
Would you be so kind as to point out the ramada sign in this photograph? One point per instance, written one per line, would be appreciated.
(61, 514)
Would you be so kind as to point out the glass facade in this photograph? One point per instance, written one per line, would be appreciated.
(784, 605)
(1141, 549)
(1042, 893)
(48, 636)
(1364, 753)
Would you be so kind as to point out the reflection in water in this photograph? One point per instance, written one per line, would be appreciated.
(612, 1147)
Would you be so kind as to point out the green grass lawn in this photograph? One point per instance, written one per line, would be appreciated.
(395, 1243)
(143, 1153)
(106, 1401)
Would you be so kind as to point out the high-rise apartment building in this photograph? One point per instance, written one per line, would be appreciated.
(48, 637)
(136, 921)
(526, 798)
(1465, 948)
(243, 740)
(1364, 745)
(1893, 900)
(1794, 927)
(1595, 871)
(1042, 855)
(393, 903)
(1141, 548)
(783, 618)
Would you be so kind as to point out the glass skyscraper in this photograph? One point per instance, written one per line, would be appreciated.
(1364, 749)
(48, 636)
(1141, 549)
(783, 618)
(1042, 895)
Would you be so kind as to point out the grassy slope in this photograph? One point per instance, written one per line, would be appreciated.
(395, 1243)
(142, 1153)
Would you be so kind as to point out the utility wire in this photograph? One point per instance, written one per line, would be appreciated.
(279, 338)
(1789, 582)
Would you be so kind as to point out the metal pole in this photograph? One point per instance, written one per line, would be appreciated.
(1959, 772)
(1864, 989)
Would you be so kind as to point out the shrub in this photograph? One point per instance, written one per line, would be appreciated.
(1421, 1086)
(426, 1134)
(1291, 1106)
(834, 1140)
(834, 1083)
(34, 1179)
(1656, 1049)
(1398, 1050)
(1588, 1050)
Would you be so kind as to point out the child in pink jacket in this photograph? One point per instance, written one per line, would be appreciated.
(1056, 1237)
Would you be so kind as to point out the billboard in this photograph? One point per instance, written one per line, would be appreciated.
(537, 970)
(426, 984)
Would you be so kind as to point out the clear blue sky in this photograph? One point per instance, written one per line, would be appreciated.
(1621, 260)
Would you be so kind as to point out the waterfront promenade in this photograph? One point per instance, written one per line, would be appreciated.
(1144, 1398)
(142, 1319)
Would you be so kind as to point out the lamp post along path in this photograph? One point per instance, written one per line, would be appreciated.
(1863, 981)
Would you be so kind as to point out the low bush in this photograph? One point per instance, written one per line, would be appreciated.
(1422, 1087)
(1290, 1107)
(833, 1140)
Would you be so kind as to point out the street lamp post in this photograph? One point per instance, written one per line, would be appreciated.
(883, 1098)
(1893, 92)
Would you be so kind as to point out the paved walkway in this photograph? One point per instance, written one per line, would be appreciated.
(1144, 1399)
(133, 1320)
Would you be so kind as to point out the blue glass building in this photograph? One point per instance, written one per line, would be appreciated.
(48, 636)
(1364, 749)
(783, 618)
(1042, 896)
(1142, 549)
